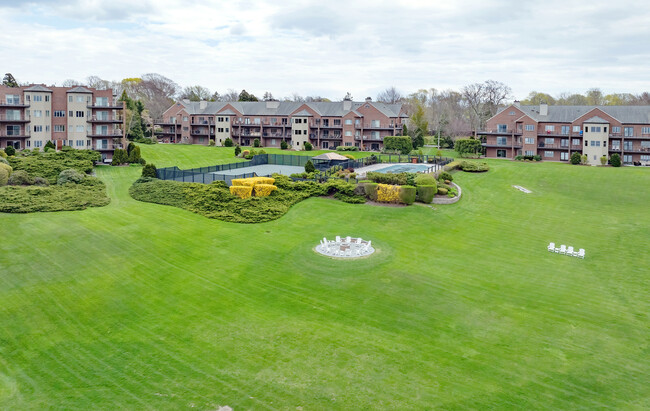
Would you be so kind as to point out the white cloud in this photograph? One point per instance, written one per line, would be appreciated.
(312, 47)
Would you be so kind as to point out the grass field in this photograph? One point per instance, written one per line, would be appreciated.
(136, 305)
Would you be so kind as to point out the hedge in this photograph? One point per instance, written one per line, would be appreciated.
(4, 176)
(452, 166)
(371, 190)
(264, 190)
(425, 193)
(91, 193)
(425, 180)
(70, 176)
(387, 193)
(241, 191)
(347, 148)
(20, 178)
(473, 166)
(403, 144)
(49, 166)
(467, 146)
(407, 194)
(388, 178)
(445, 176)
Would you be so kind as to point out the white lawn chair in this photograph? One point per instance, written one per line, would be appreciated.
(551, 247)
(325, 240)
(348, 239)
(581, 253)
(569, 251)
(562, 249)
(338, 239)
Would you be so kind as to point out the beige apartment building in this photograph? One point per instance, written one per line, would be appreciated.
(323, 124)
(555, 132)
(79, 117)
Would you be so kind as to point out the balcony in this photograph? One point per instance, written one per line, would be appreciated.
(202, 122)
(20, 134)
(14, 104)
(162, 122)
(384, 126)
(321, 125)
(111, 134)
(555, 146)
(106, 147)
(495, 145)
(331, 137)
(14, 119)
(273, 135)
(105, 119)
(636, 150)
(115, 105)
(555, 134)
(368, 138)
(641, 137)
(499, 133)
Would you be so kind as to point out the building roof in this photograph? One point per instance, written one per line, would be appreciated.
(596, 119)
(303, 113)
(38, 87)
(330, 156)
(79, 89)
(569, 114)
(285, 108)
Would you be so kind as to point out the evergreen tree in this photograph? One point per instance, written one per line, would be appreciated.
(9, 80)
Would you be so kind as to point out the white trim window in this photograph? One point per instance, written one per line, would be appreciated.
(548, 154)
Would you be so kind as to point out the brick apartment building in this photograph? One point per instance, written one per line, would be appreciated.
(79, 117)
(323, 124)
(555, 132)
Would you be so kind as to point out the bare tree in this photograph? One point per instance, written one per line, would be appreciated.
(71, 83)
(195, 93)
(391, 96)
(157, 92)
(483, 100)
(98, 83)
(230, 95)
(268, 96)
(295, 97)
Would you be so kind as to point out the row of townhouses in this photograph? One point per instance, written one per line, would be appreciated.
(79, 117)
(555, 132)
(323, 124)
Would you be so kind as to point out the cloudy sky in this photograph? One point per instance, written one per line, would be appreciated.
(329, 47)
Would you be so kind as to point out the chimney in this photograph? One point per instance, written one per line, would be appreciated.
(543, 109)
(272, 104)
(517, 103)
(347, 105)
(368, 99)
(203, 104)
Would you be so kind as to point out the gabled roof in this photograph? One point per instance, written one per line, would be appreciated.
(38, 87)
(303, 113)
(330, 156)
(569, 114)
(79, 89)
(596, 119)
(227, 112)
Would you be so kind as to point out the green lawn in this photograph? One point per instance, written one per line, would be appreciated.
(137, 305)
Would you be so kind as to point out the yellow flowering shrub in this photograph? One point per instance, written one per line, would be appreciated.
(387, 193)
(252, 181)
(241, 191)
(263, 190)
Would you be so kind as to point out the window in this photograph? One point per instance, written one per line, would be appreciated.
(37, 98)
(576, 129)
(101, 101)
(549, 140)
(348, 133)
(297, 132)
(38, 129)
(512, 113)
(184, 118)
(70, 113)
(529, 153)
(548, 154)
(38, 113)
(595, 129)
(13, 130)
(79, 143)
(59, 113)
(80, 129)
(549, 129)
(501, 153)
(564, 142)
(348, 144)
(616, 130)
(14, 114)
(564, 155)
(80, 99)
(47, 113)
(502, 128)
(38, 143)
(530, 127)
(59, 128)
(257, 120)
(47, 129)
(645, 144)
(595, 143)
(227, 130)
(348, 122)
(220, 130)
(616, 145)
(374, 123)
(645, 130)
(586, 143)
(502, 141)
(586, 129)
(575, 142)
(47, 97)
(374, 135)
(69, 99)
(529, 140)
(627, 159)
(80, 113)
(337, 122)
(13, 99)
(272, 141)
(627, 145)
(628, 131)
(219, 119)
(565, 130)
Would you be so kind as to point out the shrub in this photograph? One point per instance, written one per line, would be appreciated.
(309, 167)
(251, 154)
(442, 191)
(252, 181)
(575, 158)
(308, 146)
(228, 142)
(371, 190)
(50, 145)
(237, 150)
(3, 154)
(387, 193)
(452, 166)
(284, 145)
(241, 191)
(474, 167)
(407, 194)
(425, 180)
(119, 157)
(10, 151)
(537, 157)
(349, 156)
(4, 161)
(615, 160)
(445, 176)
(256, 143)
(211, 143)
(519, 158)
(584, 159)
(69, 176)
(245, 153)
(603, 160)
(4, 176)
(263, 190)
(40, 181)
(20, 178)
(262, 152)
(129, 148)
(467, 146)
(150, 171)
(425, 193)
(387, 178)
(134, 155)
(402, 144)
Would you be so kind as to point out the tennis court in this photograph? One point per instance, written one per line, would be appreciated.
(404, 168)
(262, 170)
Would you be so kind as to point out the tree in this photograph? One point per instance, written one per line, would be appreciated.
(245, 96)
(309, 167)
(348, 97)
(256, 142)
(231, 95)
(535, 98)
(98, 83)
(71, 83)
(216, 96)
(391, 96)
(195, 93)
(419, 127)
(9, 80)
(595, 97)
(484, 99)
(567, 99)
(268, 96)
(10, 151)
(119, 157)
(575, 158)
(134, 156)
(284, 145)
(615, 160)
(308, 146)
(237, 150)
(467, 146)
(228, 142)
(49, 144)
(402, 144)
(149, 170)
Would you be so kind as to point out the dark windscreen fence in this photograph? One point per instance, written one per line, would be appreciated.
(207, 175)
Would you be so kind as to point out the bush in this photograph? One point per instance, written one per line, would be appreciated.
(256, 143)
(228, 142)
(407, 194)
(442, 191)
(237, 150)
(53, 198)
(467, 146)
(308, 146)
(211, 143)
(134, 155)
(537, 157)
(70, 176)
(387, 178)
(425, 193)
(425, 180)
(4, 161)
(119, 157)
(49, 145)
(402, 144)
(3, 154)
(452, 166)
(241, 191)
(250, 155)
(10, 151)
(245, 153)
(474, 167)
(263, 190)
(603, 160)
(20, 178)
(575, 158)
(519, 158)
(309, 167)
(4, 176)
(150, 171)
(387, 193)
(584, 160)
(615, 160)
(347, 148)
(371, 190)
(284, 145)
(445, 176)
(40, 181)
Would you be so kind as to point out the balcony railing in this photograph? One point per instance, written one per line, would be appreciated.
(111, 147)
(14, 103)
(105, 119)
(385, 126)
(14, 119)
(111, 133)
(20, 134)
(555, 146)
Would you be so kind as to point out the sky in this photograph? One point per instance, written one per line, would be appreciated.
(328, 48)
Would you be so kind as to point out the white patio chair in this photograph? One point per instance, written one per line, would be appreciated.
(348, 239)
(562, 249)
(569, 251)
(581, 253)
(338, 239)
(551, 247)
(325, 240)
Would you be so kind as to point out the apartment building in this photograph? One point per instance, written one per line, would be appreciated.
(323, 124)
(555, 132)
(79, 117)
